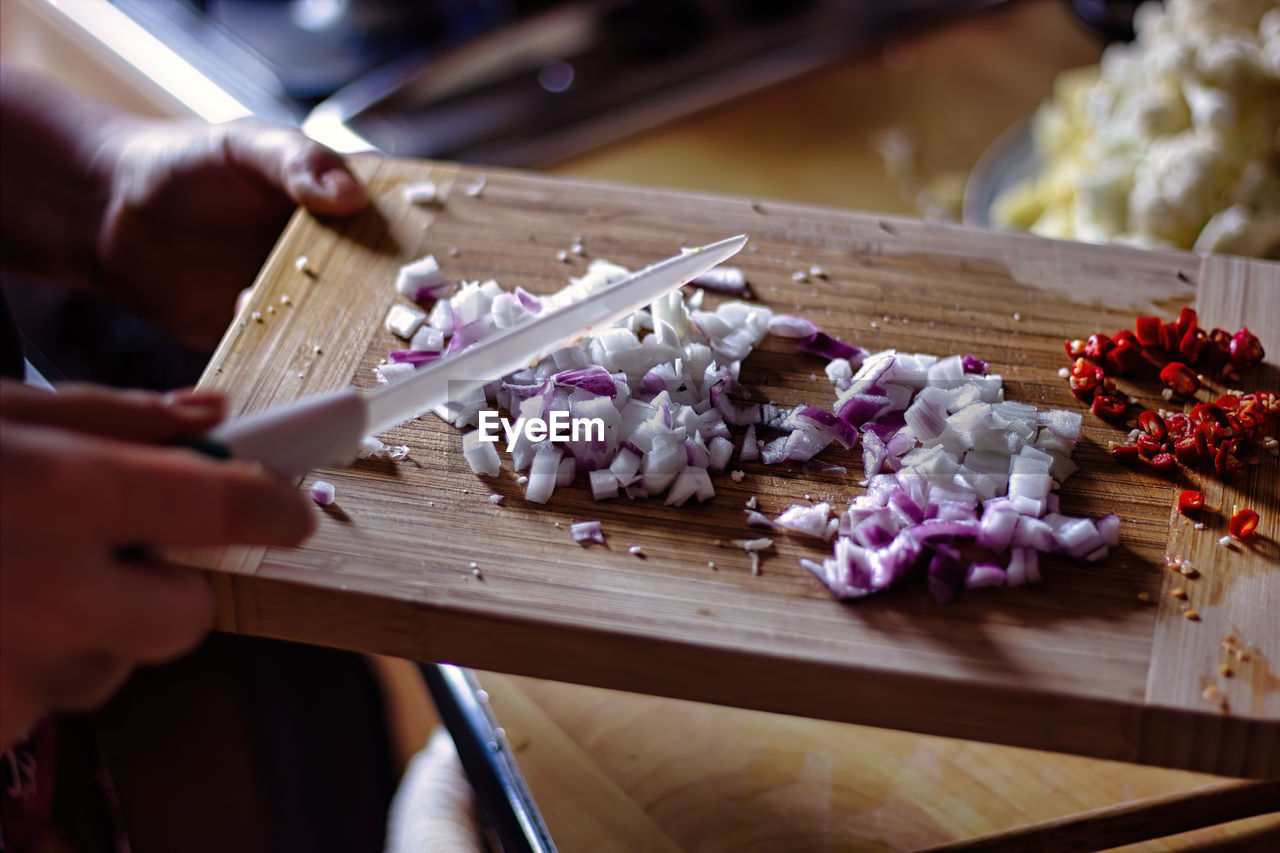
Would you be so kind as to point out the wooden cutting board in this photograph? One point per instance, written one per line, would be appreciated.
(1097, 660)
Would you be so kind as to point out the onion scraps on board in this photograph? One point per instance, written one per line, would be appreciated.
(959, 481)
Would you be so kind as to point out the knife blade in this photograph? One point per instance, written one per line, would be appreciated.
(326, 429)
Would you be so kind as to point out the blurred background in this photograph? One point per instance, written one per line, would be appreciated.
(857, 103)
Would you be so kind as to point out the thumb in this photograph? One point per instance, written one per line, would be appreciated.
(311, 175)
(142, 416)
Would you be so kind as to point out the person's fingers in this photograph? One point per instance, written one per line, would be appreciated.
(309, 173)
(80, 681)
(152, 612)
(128, 415)
(318, 179)
(175, 497)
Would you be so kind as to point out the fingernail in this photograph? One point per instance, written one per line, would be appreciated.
(339, 185)
(197, 405)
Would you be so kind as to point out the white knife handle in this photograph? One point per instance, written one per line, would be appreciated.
(313, 432)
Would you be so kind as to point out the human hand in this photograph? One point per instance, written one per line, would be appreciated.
(82, 480)
(172, 218)
(193, 210)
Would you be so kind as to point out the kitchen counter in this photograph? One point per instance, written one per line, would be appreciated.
(617, 771)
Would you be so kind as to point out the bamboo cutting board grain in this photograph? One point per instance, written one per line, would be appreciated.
(1081, 663)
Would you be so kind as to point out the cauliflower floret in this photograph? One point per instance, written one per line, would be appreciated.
(1171, 140)
(1174, 188)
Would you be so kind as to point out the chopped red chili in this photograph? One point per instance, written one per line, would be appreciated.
(1097, 346)
(1125, 452)
(1192, 345)
(1246, 349)
(1187, 320)
(1243, 524)
(1204, 441)
(1190, 502)
(1153, 425)
(1085, 379)
(1147, 331)
(1108, 408)
(1217, 350)
(1124, 358)
(1209, 413)
(1182, 380)
(1148, 445)
(1225, 461)
(1162, 461)
(1170, 337)
(1186, 451)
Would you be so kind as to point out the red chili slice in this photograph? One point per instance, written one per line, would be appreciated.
(1204, 441)
(1163, 461)
(1124, 335)
(1108, 408)
(1192, 345)
(1148, 446)
(1085, 379)
(1187, 320)
(1217, 350)
(1190, 502)
(1075, 348)
(1182, 380)
(1153, 425)
(1124, 358)
(1186, 451)
(1243, 524)
(1097, 346)
(1246, 349)
(1209, 413)
(1224, 461)
(1125, 453)
(1147, 331)
(1170, 337)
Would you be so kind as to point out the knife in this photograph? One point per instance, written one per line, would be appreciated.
(326, 429)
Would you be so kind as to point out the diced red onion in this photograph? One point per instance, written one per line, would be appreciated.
(723, 279)
(586, 532)
(322, 492)
(787, 326)
(417, 358)
(821, 344)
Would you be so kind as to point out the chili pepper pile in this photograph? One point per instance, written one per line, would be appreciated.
(1211, 432)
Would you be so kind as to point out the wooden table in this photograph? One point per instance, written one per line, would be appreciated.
(614, 770)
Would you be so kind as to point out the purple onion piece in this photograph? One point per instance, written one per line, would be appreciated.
(533, 304)
(594, 380)
(584, 532)
(838, 429)
(787, 326)
(828, 347)
(412, 356)
(946, 573)
(973, 364)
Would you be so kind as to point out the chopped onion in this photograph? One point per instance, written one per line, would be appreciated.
(372, 448)
(402, 321)
(481, 455)
(413, 357)
(722, 278)
(421, 279)
(960, 482)
(810, 520)
(322, 492)
(585, 532)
